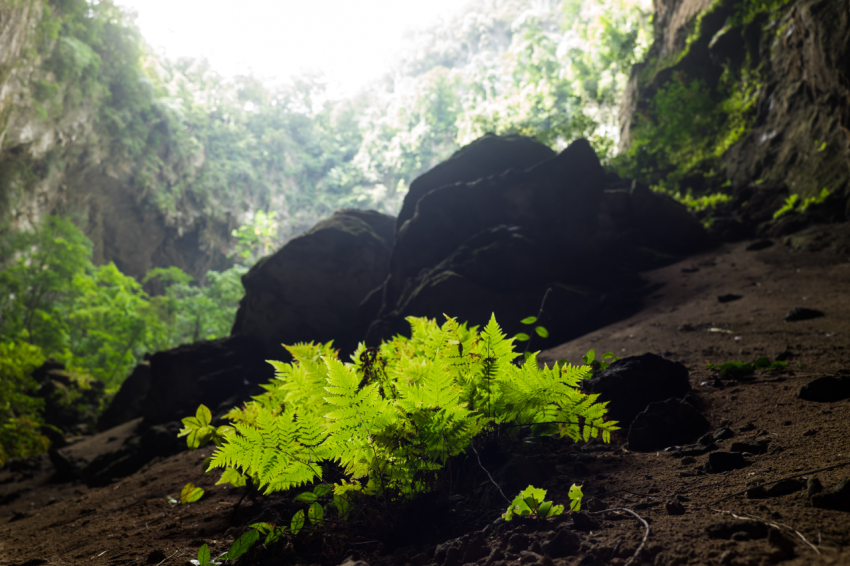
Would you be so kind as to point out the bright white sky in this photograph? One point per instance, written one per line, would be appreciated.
(350, 41)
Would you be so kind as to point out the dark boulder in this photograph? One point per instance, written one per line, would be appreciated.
(497, 244)
(71, 401)
(312, 288)
(216, 373)
(486, 156)
(632, 383)
(722, 461)
(126, 405)
(826, 389)
(666, 423)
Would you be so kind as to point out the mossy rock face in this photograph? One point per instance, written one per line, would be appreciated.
(72, 403)
(775, 83)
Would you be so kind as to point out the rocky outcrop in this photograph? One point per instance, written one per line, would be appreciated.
(312, 288)
(502, 243)
(488, 155)
(791, 57)
(57, 158)
(218, 373)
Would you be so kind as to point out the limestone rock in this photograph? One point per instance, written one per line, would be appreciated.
(311, 289)
(632, 383)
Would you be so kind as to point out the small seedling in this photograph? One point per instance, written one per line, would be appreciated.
(190, 493)
(531, 503)
(589, 359)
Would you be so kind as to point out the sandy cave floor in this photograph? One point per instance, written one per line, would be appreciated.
(128, 521)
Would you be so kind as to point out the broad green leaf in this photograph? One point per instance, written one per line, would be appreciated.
(203, 415)
(522, 337)
(322, 490)
(263, 528)
(233, 477)
(529, 320)
(589, 357)
(297, 522)
(315, 513)
(306, 497)
(242, 545)
(204, 555)
(541, 331)
(575, 496)
(607, 355)
(190, 493)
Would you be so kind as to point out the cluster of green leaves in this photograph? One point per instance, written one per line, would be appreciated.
(392, 418)
(95, 319)
(735, 370)
(602, 363)
(795, 203)
(20, 410)
(686, 129)
(272, 532)
(531, 502)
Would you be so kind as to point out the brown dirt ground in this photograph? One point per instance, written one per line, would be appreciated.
(124, 522)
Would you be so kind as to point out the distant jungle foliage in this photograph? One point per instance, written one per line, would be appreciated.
(190, 138)
(94, 319)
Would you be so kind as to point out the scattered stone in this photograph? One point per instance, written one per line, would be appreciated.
(584, 522)
(783, 548)
(759, 245)
(784, 487)
(826, 389)
(563, 543)
(724, 462)
(695, 449)
(726, 529)
(813, 486)
(756, 492)
(751, 446)
(665, 423)
(476, 549)
(728, 298)
(783, 356)
(802, 313)
(518, 542)
(810, 432)
(688, 460)
(632, 383)
(155, 556)
(706, 440)
(747, 427)
(837, 499)
(740, 536)
(723, 433)
(674, 508)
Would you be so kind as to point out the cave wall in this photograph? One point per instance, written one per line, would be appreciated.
(55, 159)
(792, 54)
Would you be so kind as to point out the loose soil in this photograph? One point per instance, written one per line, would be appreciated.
(132, 522)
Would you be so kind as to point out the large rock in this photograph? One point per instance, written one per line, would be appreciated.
(632, 383)
(217, 373)
(488, 155)
(666, 423)
(126, 405)
(498, 243)
(311, 289)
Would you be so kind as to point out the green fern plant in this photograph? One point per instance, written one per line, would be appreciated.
(392, 418)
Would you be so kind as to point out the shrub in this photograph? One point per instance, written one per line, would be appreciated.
(392, 418)
(20, 411)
